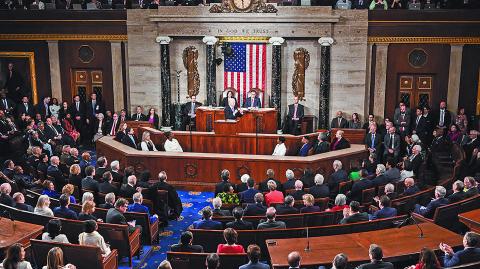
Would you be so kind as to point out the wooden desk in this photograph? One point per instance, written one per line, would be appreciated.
(471, 219)
(266, 119)
(21, 232)
(397, 244)
(226, 127)
(135, 125)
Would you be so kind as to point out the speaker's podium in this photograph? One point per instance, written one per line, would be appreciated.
(226, 127)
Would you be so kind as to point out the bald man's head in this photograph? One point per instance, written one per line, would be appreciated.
(294, 259)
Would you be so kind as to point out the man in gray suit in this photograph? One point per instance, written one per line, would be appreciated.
(391, 144)
(271, 223)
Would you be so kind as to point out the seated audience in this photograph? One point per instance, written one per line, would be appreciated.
(42, 207)
(287, 207)
(109, 201)
(92, 238)
(392, 174)
(87, 212)
(376, 255)
(5, 198)
(212, 261)
(217, 208)
(458, 194)
(429, 210)
(339, 175)
(164, 264)
(206, 222)
(225, 176)
(471, 188)
(185, 244)
(55, 260)
(254, 255)
(257, 208)
(129, 189)
(115, 170)
(355, 194)
(470, 252)
(273, 196)
(322, 145)
(243, 185)
(231, 246)
(53, 233)
(19, 200)
(380, 178)
(308, 201)
(115, 215)
(147, 143)
(89, 183)
(319, 190)
(271, 223)
(15, 258)
(305, 146)
(63, 211)
(299, 192)
(353, 214)
(106, 185)
(138, 206)
(174, 202)
(386, 211)
(410, 187)
(239, 223)
(87, 196)
(294, 259)
(129, 138)
(389, 191)
(247, 195)
(290, 183)
(68, 190)
(340, 203)
(427, 260)
(171, 144)
(340, 261)
(228, 196)
(262, 186)
(339, 142)
(49, 189)
(280, 148)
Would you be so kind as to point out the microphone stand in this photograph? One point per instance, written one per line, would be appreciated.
(307, 248)
(418, 226)
(405, 223)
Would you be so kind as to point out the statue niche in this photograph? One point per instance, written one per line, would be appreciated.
(302, 61)
(190, 61)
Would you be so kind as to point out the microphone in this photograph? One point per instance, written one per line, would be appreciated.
(406, 222)
(307, 248)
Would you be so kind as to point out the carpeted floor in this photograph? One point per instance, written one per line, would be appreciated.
(193, 202)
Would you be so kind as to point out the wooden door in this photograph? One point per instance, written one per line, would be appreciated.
(416, 90)
(86, 82)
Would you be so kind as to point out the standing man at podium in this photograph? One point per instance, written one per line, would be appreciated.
(232, 111)
(189, 115)
(294, 117)
(253, 101)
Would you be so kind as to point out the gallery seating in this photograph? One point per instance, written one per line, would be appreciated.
(185, 260)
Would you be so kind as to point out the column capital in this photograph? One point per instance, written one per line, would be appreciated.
(325, 41)
(163, 40)
(276, 41)
(210, 40)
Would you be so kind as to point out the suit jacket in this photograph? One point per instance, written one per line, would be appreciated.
(262, 186)
(115, 217)
(430, 208)
(386, 212)
(10, 107)
(187, 108)
(29, 110)
(376, 265)
(300, 111)
(343, 123)
(456, 197)
(109, 126)
(239, 225)
(128, 141)
(257, 265)
(127, 191)
(91, 111)
(342, 144)
(319, 191)
(64, 212)
(117, 177)
(24, 207)
(447, 120)
(321, 147)
(186, 248)
(358, 187)
(219, 187)
(304, 149)
(471, 192)
(396, 143)
(207, 225)
(335, 178)
(410, 190)
(106, 187)
(256, 102)
(231, 114)
(421, 128)
(298, 195)
(106, 206)
(467, 255)
(310, 209)
(174, 201)
(380, 180)
(284, 210)
(255, 210)
(406, 120)
(358, 217)
(289, 184)
(271, 225)
(248, 196)
(221, 212)
(90, 184)
(414, 164)
(50, 132)
(377, 142)
(139, 117)
(59, 180)
(42, 110)
(77, 112)
(359, 4)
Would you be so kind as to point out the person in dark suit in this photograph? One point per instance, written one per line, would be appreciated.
(253, 101)
(471, 145)
(443, 118)
(262, 186)
(189, 112)
(373, 140)
(360, 4)
(457, 194)
(14, 81)
(429, 210)
(106, 185)
(101, 168)
(376, 262)
(380, 178)
(386, 211)
(470, 186)
(207, 223)
(362, 184)
(129, 189)
(319, 190)
(89, 183)
(112, 126)
(419, 125)
(25, 107)
(303, 151)
(138, 116)
(414, 161)
(339, 121)
(391, 144)
(339, 142)
(77, 110)
(287, 207)
(410, 187)
(271, 223)
(308, 201)
(239, 223)
(339, 175)
(43, 108)
(257, 208)
(115, 215)
(294, 118)
(290, 183)
(115, 170)
(53, 170)
(5, 198)
(322, 145)
(217, 208)
(109, 201)
(185, 244)
(353, 214)
(253, 254)
(19, 201)
(299, 192)
(231, 111)
(93, 107)
(402, 119)
(174, 202)
(470, 253)
(247, 195)
(130, 139)
(63, 211)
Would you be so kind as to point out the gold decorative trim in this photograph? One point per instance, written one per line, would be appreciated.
(31, 62)
(423, 40)
(63, 37)
(252, 39)
(396, 22)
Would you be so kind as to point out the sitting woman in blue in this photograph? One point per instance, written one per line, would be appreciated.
(139, 208)
(49, 189)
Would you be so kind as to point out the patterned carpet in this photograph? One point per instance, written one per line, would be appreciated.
(192, 202)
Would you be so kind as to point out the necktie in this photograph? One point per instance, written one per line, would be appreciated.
(54, 129)
(78, 106)
(26, 107)
(93, 106)
(391, 141)
(46, 110)
(295, 111)
(5, 103)
(112, 132)
(373, 140)
(339, 121)
(418, 119)
(192, 110)
(442, 117)
(138, 116)
(133, 140)
(252, 102)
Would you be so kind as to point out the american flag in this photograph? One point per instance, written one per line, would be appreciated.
(245, 69)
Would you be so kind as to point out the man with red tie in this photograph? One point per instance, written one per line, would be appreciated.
(112, 128)
(294, 118)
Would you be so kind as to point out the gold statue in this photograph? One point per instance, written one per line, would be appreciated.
(190, 57)
(302, 61)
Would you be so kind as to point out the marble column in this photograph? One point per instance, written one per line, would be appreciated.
(276, 101)
(54, 60)
(454, 72)
(211, 70)
(165, 79)
(324, 102)
(380, 80)
(117, 71)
